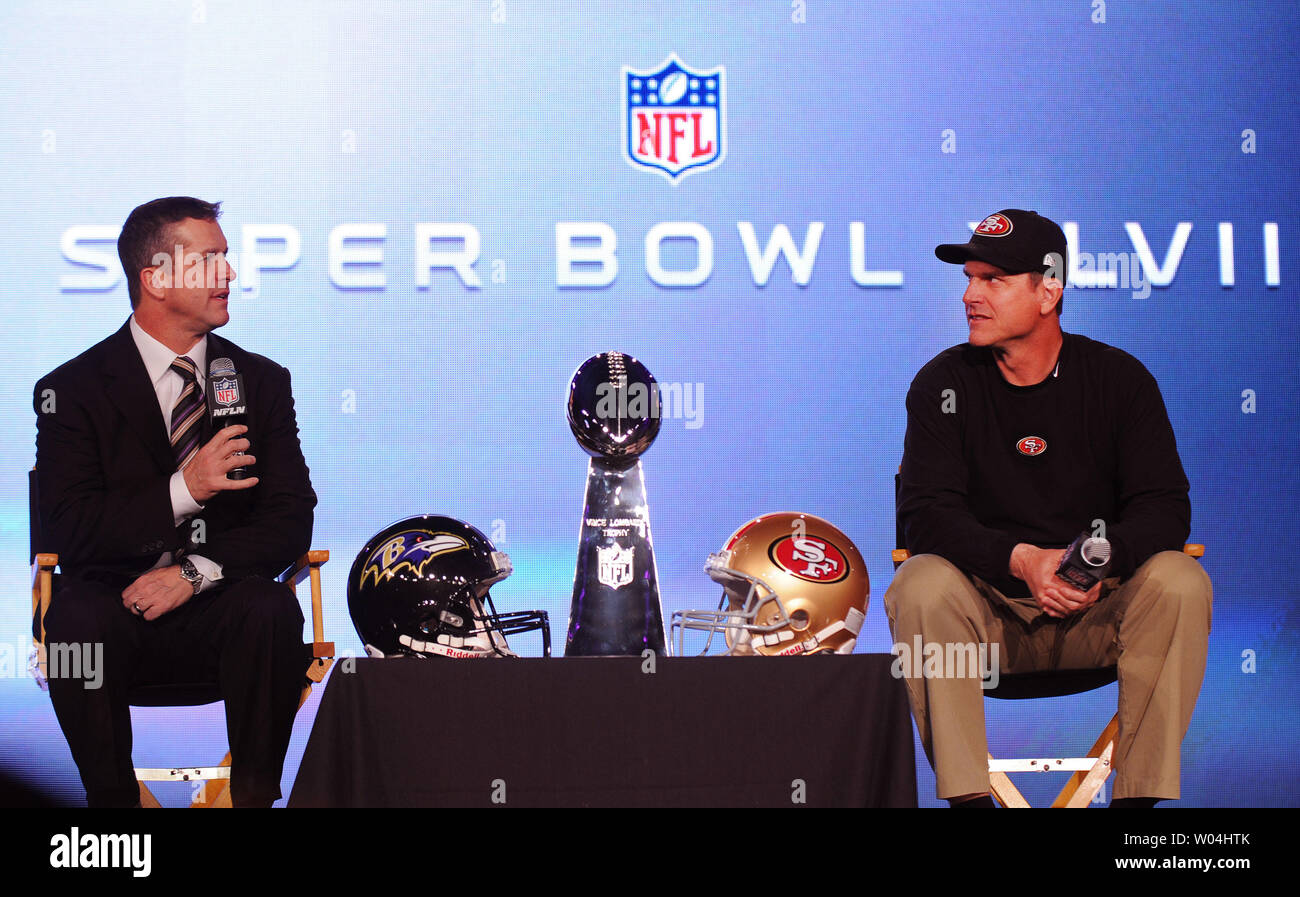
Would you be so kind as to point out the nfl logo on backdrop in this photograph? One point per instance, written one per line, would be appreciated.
(227, 391)
(674, 118)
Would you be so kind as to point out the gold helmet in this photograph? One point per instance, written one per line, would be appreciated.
(792, 584)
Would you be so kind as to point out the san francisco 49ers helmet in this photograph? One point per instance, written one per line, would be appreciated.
(792, 584)
(420, 587)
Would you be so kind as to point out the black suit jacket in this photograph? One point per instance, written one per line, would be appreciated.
(104, 462)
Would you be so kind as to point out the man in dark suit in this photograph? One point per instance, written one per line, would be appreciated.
(167, 562)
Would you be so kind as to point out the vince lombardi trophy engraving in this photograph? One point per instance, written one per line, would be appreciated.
(613, 410)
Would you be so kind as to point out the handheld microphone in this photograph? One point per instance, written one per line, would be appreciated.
(226, 403)
(1086, 561)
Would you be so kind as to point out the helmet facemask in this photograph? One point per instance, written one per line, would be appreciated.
(745, 601)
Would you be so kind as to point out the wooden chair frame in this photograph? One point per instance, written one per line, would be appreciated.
(216, 779)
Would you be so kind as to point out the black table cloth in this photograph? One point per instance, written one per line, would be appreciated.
(606, 731)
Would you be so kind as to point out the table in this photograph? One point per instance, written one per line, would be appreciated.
(611, 731)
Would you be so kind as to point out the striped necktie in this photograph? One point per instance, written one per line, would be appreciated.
(187, 413)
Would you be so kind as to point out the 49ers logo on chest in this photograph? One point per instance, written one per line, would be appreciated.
(1032, 445)
(674, 118)
(812, 560)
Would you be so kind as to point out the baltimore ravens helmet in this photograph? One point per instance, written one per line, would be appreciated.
(420, 587)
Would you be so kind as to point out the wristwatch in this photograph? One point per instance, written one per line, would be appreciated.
(191, 573)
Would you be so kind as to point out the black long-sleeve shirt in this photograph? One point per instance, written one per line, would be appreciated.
(990, 464)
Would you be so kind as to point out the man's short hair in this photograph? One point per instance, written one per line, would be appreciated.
(1035, 278)
(148, 231)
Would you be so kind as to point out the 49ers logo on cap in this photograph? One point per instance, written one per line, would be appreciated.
(813, 560)
(996, 225)
(1032, 445)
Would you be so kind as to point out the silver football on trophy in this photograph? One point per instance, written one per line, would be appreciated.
(614, 407)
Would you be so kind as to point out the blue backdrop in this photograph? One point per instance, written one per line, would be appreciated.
(358, 148)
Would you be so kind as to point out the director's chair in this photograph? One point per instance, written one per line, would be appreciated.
(216, 779)
(1088, 773)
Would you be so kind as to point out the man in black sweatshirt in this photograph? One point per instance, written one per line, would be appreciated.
(1018, 441)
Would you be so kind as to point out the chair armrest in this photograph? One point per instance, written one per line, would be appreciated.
(308, 567)
(42, 590)
(1191, 549)
(301, 568)
(42, 586)
(43, 563)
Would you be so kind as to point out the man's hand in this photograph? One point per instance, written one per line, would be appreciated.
(205, 475)
(1037, 567)
(157, 592)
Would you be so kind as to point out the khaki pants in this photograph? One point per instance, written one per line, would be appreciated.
(1154, 626)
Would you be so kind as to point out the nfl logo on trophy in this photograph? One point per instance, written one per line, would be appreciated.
(614, 565)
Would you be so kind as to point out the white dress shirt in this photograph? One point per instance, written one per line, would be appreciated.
(167, 385)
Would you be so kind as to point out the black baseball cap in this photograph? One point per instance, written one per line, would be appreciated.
(1014, 240)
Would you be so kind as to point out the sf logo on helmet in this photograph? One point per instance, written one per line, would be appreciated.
(813, 553)
(809, 559)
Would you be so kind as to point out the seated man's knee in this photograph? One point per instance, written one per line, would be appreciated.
(265, 599)
(1173, 577)
(82, 611)
(925, 584)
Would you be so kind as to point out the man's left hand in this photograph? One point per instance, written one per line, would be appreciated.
(1064, 597)
(157, 592)
(1056, 597)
